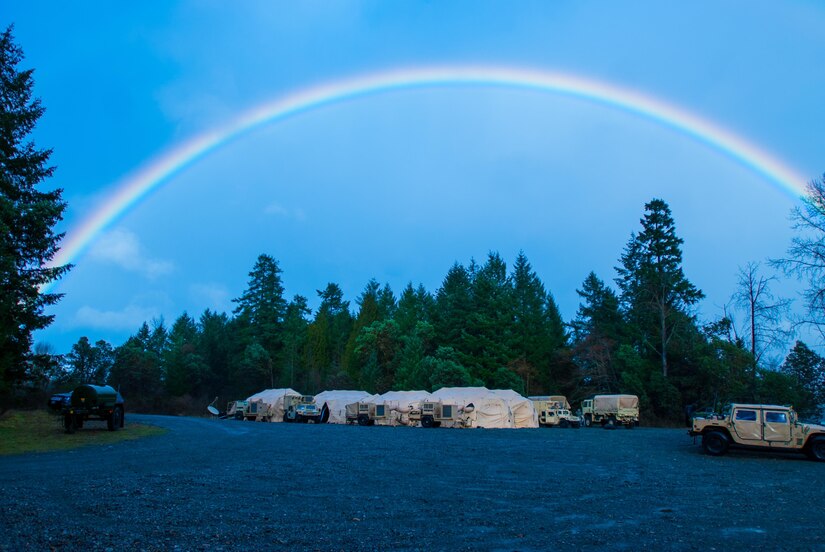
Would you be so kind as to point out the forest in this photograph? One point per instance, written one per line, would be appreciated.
(485, 325)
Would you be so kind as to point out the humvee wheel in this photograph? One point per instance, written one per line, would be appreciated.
(588, 421)
(114, 421)
(816, 450)
(564, 423)
(714, 443)
(427, 421)
(363, 420)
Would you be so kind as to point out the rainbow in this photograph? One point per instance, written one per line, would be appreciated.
(135, 187)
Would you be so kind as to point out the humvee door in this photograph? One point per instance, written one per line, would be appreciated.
(777, 426)
(747, 424)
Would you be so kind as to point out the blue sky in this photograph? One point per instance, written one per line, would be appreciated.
(398, 186)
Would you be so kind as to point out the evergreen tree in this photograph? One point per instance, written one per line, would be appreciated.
(538, 330)
(655, 292)
(185, 369)
(328, 336)
(262, 307)
(597, 334)
(89, 363)
(296, 324)
(453, 306)
(807, 369)
(137, 369)
(215, 348)
(489, 325)
(27, 218)
(414, 305)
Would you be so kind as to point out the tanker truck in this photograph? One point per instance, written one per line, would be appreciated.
(93, 402)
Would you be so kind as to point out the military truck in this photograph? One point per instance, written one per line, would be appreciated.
(611, 410)
(301, 409)
(764, 427)
(367, 413)
(93, 402)
(237, 409)
(554, 411)
(256, 411)
(436, 414)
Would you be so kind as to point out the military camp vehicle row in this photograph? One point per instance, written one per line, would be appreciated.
(301, 409)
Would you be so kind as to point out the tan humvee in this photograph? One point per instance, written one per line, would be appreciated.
(257, 411)
(759, 427)
(554, 411)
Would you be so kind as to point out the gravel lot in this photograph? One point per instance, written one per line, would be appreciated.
(227, 485)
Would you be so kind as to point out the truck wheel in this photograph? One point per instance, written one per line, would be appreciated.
(816, 450)
(427, 421)
(714, 443)
(564, 423)
(68, 423)
(113, 422)
(588, 421)
(363, 420)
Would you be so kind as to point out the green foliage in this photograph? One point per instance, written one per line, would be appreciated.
(27, 219)
(88, 363)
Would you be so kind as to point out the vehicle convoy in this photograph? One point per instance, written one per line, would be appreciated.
(301, 409)
(762, 427)
(90, 402)
(611, 410)
(554, 411)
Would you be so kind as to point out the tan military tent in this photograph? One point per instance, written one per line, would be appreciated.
(488, 410)
(521, 408)
(275, 399)
(336, 403)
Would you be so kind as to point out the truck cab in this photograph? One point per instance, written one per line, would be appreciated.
(759, 427)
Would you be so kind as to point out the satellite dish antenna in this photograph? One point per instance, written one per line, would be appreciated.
(213, 409)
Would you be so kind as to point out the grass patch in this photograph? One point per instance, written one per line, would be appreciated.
(39, 431)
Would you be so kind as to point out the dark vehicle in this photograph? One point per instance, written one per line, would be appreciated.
(92, 402)
(58, 401)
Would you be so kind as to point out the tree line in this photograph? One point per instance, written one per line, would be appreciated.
(486, 324)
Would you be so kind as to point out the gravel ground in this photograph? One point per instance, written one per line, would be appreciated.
(227, 485)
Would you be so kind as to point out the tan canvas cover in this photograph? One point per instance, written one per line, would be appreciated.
(337, 401)
(275, 399)
(612, 403)
(521, 408)
(490, 410)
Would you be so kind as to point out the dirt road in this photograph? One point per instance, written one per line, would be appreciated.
(227, 485)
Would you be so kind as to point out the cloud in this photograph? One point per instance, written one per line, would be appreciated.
(279, 210)
(212, 296)
(122, 248)
(129, 318)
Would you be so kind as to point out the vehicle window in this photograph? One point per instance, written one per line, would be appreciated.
(776, 417)
(746, 415)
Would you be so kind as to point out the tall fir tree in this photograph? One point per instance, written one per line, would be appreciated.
(656, 295)
(27, 218)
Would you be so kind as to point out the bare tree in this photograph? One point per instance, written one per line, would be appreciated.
(766, 313)
(806, 255)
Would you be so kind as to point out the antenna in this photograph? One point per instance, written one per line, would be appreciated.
(212, 409)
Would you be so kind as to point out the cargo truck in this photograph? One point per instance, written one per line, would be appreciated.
(611, 410)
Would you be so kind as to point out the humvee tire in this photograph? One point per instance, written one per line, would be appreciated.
(816, 450)
(588, 420)
(564, 423)
(427, 421)
(363, 420)
(715, 443)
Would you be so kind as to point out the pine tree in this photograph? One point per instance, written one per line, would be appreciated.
(655, 292)
(27, 218)
(89, 363)
(184, 367)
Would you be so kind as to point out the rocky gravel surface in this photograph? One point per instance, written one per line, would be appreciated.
(227, 485)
